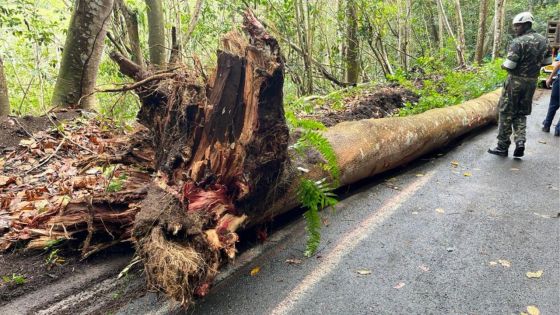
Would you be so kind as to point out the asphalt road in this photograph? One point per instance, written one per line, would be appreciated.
(454, 233)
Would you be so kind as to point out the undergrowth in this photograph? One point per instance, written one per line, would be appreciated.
(440, 86)
(315, 195)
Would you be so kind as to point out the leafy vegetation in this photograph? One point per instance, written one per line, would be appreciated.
(441, 86)
(314, 195)
(34, 32)
(17, 279)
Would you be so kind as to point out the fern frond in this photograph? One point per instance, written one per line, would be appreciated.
(314, 195)
(322, 145)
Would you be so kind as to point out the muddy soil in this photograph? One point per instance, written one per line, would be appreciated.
(373, 102)
(14, 129)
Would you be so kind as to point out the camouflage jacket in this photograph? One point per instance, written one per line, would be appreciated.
(526, 54)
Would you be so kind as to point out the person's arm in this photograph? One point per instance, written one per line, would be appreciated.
(513, 56)
(552, 74)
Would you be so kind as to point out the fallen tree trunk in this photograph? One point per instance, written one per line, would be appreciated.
(221, 152)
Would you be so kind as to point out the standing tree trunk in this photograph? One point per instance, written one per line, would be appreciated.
(460, 28)
(303, 33)
(458, 48)
(82, 53)
(441, 28)
(499, 11)
(4, 99)
(131, 21)
(156, 33)
(194, 19)
(482, 15)
(352, 57)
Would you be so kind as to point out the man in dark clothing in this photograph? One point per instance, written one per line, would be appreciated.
(526, 54)
(553, 81)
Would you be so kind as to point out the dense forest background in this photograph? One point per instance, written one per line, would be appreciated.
(328, 45)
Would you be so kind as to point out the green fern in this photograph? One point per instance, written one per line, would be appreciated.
(311, 138)
(314, 195)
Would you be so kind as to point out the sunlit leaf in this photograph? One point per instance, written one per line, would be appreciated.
(534, 274)
(255, 271)
(363, 272)
(533, 310)
(399, 285)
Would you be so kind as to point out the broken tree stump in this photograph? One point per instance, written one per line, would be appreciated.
(221, 155)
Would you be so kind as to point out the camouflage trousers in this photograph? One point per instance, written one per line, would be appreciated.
(515, 105)
(507, 123)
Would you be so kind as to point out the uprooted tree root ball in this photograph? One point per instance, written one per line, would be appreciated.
(220, 151)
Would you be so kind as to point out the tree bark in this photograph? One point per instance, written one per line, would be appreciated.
(352, 56)
(82, 54)
(131, 21)
(156, 33)
(460, 29)
(482, 16)
(499, 11)
(194, 19)
(4, 97)
(458, 48)
(303, 36)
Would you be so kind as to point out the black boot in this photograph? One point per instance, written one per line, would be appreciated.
(546, 129)
(498, 151)
(519, 149)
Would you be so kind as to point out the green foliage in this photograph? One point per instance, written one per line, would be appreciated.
(315, 140)
(14, 278)
(314, 195)
(116, 183)
(441, 86)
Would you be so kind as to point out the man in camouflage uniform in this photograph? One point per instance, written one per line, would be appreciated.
(526, 54)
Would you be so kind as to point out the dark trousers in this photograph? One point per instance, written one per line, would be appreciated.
(553, 105)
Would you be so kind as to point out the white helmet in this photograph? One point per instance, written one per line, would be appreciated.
(523, 17)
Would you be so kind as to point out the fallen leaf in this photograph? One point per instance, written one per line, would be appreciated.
(467, 174)
(414, 212)
(514, 169)
(504, 263)
(424, 268)
(363, 272)
(27, 142)
(399, 285)
(255, 271)
(454, 163)
(536, 274)
(542, 141)
(440, 210)
(5, 180)
(533, 310)
(293, 261)
(419, 175)
(543, 215)
(493, 263)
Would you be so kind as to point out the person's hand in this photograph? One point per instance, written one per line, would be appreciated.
(548, 82)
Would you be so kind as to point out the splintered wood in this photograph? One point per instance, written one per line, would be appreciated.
(221, 149)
